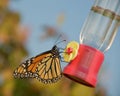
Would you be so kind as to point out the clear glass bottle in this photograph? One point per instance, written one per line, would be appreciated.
(101, 25)
(96, 37)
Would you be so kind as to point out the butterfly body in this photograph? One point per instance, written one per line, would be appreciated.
(55, 52)
(45, 67)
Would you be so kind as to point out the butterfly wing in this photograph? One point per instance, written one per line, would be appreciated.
(49, 70)
(28, 68)
(45, 67)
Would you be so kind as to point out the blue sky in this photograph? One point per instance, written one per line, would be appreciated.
(39, 12)
(36, 13)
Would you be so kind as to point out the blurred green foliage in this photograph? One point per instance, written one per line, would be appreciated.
(12, 50)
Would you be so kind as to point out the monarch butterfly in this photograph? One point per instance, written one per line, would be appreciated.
(45, 67)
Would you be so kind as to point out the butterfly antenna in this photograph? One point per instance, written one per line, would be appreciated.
(57, 39)
(60, 42)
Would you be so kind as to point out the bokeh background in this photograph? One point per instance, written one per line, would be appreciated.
(29, 27)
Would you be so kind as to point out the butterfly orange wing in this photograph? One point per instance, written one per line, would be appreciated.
(45, 67)
(49, 70)
(28, 68)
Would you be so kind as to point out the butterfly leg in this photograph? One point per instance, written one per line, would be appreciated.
(62, 59)
(61, 48)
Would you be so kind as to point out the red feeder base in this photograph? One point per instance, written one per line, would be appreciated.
(84, 68)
